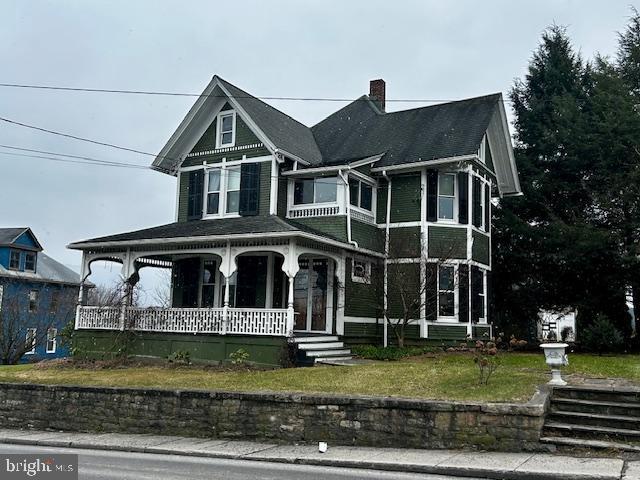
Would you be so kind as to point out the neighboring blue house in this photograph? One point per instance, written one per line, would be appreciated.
(37, 299)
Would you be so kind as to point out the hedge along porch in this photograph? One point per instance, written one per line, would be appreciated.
(226, 294)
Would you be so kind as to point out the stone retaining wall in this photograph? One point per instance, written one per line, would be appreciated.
(276, 417)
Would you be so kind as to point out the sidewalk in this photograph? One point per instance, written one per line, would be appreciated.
(495, 465)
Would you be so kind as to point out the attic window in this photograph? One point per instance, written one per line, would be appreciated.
(30, 262)
(14, 260)
(226, 129)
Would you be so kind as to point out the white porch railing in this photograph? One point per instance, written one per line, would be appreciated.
(303, 212)
(239, 321)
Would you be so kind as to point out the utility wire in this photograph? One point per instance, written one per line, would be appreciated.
(82, 162)
(183, 94)
(90, 159)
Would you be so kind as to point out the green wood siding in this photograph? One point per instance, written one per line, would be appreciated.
(367, 236)
(404, 242)
(447, 242)
(360, 330)
(405, 198)
(480, 249)
(381, 203)
(402, 277)
(360, 299)
(447, 332)
(335, 226)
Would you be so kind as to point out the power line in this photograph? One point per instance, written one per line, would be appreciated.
(90, 159)
(82, 162)
(183, 94)
(82, 139)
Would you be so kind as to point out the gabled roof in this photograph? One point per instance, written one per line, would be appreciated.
(359, 130)
(408, 136)
(9, 236)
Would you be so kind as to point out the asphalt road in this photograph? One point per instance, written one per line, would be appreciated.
(103, 465)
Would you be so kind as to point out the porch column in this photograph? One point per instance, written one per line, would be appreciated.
(129, 278)
(225, 306)
(80, 291)
(290, 267)
(227, 268)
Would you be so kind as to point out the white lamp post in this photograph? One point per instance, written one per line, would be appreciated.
(556, 358)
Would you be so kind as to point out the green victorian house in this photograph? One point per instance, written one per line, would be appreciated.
(289, 235)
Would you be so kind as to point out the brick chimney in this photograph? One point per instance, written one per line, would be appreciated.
(377, 92)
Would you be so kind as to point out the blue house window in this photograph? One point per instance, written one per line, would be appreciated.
(14, 260)
(30, 262)
(33, 301)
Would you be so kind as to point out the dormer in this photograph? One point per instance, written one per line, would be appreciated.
(19, 250)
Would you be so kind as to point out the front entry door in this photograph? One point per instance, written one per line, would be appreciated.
(312, 295)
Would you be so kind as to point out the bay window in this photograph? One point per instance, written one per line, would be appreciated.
(315, 190)
(446, 196)
(446, 291)
(360, 194)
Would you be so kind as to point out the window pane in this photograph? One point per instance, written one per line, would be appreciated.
(303, 192)
(446, 185)
(354, 192)
(213, 203)
(15, 260)
(365, 201)
(227, 123)
(445, 280)
(227, 138)
(214, 180)
(30, 262)
(233, 178)
(445, 207)
(446, 307)
(233, 202)
(326, 190)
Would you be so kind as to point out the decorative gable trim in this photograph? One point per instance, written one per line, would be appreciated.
(224, 150)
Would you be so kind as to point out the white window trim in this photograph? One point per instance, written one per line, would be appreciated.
(222, 202)
(455, 218)
(54, 339)
(483, 319)
(219, 143)
(456, 309)
(367, 271)
(33, 340)
(301, 206)
(373, 194)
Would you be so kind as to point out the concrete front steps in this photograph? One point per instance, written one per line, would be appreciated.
(593, 417)
(321, 349)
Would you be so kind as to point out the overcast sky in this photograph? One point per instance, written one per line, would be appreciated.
(423, 49)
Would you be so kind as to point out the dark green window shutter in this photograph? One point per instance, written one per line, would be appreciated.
(432, 195)
(463, 197)
(249, 189)
(463, 293)
(487, 208)
(431, 291)
(477, 206)
(476, 291)
(195, 195)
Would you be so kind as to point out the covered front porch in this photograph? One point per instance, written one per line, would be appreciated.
(274, 286)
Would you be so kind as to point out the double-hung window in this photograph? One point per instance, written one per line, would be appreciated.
(55, 301)
(14, 260)
(33, 301)
(223, 190)
(226, 130)
(446, 196)
(360, 194)
(446, 291)
(315, 190)
(30, 262)
(30, 341)
(52, 342)
(360, 271)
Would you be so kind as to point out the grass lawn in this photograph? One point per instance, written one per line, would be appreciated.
(450, 376)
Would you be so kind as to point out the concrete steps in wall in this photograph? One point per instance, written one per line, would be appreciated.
(316, 349)
(594, 417)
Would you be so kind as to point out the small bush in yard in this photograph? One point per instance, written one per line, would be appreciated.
(180, 357)
(601, 336)
(239, 357)
(485, 356)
